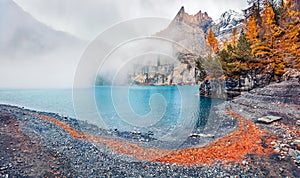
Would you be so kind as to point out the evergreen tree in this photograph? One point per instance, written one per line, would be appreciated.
(236, 60)
(230, 65)
(244, 52)
(199, 65)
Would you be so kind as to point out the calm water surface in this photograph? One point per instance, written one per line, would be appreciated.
(169, 104)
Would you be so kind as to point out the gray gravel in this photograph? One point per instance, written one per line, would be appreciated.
(81, 158)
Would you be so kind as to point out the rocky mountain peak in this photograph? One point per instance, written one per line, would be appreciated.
(191, 30)
(228, 20)
(230, 16)
(199, 20)
(181, 11)
(199, 14)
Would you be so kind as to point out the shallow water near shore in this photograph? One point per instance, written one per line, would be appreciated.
(169, 105)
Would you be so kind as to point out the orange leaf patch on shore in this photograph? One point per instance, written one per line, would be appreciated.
(116, 145)
(234, 147)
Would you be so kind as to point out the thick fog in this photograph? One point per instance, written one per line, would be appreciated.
(32, 54)
(87, 18)
(42, 42)
(49, 70)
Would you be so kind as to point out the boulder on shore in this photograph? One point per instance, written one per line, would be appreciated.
(269, 119)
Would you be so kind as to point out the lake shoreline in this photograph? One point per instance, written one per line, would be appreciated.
(55, 150)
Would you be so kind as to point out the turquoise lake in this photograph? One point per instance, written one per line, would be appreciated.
(150, 108)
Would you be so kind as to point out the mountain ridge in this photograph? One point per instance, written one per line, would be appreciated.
(200, 19)
(191, 30)
(22, 33)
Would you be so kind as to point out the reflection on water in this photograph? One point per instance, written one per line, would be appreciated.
(205, 105)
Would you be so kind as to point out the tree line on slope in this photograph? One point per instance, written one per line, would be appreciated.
(269, 41)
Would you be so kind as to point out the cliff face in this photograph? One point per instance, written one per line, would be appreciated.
(191, 30)
(199, 20)
(189, 35)
(160, 71)
(188, 31)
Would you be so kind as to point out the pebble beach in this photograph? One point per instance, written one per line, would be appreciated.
(41, 144)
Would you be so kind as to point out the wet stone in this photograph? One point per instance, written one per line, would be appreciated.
(269, 119)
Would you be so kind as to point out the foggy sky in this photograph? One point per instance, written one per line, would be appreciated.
(33, 54)
(87, 18)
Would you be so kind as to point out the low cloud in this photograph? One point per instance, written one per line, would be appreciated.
(86, 19)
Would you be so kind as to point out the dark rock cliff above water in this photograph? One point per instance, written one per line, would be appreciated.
(230, 87)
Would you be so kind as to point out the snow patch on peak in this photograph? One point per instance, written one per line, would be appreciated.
(229, 20)
(230, 16)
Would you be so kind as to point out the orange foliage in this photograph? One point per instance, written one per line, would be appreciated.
(289, 35)
(252, 30)
(73, 132)
(212, 41)
(234, 37)
(233, 147)
(116, 145)
(268, 24)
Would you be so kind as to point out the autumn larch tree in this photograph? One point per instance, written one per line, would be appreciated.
(234, 37)
(289, 36)
(255, 8)
(268, 24)
(212, 41)
(266, 50)
(252, 30)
